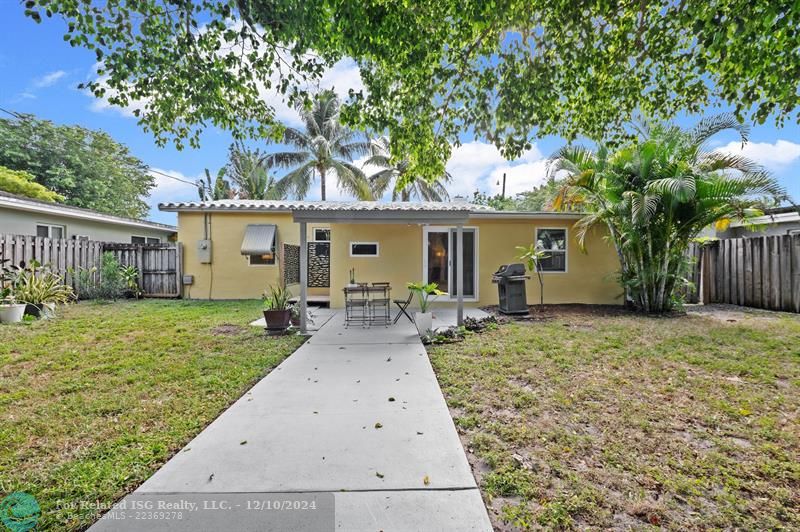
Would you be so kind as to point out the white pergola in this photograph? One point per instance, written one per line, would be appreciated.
(452, 214)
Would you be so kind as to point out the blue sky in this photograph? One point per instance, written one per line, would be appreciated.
(40, 73)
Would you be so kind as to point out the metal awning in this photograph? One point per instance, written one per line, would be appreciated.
(259, 239)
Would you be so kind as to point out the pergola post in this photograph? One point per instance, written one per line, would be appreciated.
(303, 277)
(460, 273)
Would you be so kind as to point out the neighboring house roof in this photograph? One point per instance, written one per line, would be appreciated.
(411, 207)
(21, 203)
(780, 215)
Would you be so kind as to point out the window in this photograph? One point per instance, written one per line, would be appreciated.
(261, 260)
(50, 231)
(554, 243)
(364, 249)
(322, 235)
(145, 240)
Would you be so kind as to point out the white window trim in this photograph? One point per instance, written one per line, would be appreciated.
(377, 250)
(314, 232)
(50, 227)
(250, 265)
(566, 248)
(446, 229)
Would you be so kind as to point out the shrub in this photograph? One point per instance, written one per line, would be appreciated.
(23, 184)
(110, 282)
(38, 285)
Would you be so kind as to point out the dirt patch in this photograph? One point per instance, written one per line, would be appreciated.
(735, 314)
(227, 329)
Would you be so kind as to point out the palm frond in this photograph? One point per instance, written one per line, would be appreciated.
(288, 159)
(352, 180)
(297, 182)
(682, 188)
(710, 126)
(717, 160)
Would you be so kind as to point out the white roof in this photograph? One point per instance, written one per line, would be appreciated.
(12, 201)
(770, 219)
(362, 207)
(291, 206)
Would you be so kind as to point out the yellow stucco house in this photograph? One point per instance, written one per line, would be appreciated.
(235, 249)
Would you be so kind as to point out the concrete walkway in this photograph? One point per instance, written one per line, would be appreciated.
(354, 419)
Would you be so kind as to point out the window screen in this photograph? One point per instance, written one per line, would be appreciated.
(554, 244)
(50, 231)
(363, 249)
(322, 235)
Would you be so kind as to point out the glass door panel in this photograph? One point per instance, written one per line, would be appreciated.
(437, 268)
(468, 256)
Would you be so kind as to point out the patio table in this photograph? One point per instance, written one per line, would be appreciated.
(367, 305)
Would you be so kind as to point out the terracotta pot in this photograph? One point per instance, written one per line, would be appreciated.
(277, 320)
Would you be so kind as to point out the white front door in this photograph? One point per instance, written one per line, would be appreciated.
(440, 260)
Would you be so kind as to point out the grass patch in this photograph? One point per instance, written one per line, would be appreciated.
(93, 403)
(622, 421)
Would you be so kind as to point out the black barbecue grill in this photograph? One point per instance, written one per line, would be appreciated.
(510, 280)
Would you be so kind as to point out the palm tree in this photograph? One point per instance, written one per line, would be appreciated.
(404, 185)
(249, 171)
(325, 146)
(218, 190)
(655, 194)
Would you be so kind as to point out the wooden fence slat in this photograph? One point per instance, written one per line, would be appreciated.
(795, 247)
(748, 271)
(785, 253)
(775, 273)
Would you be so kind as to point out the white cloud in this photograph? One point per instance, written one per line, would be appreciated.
(480, 166)
(519, 178)
(100, 105)
(774, 156)
(167, 189)
(341, 77)
(49, 79)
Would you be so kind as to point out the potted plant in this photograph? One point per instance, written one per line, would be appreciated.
(426, 294)
(294, 308)
(41, 290)
(11, 311)
(277, 309)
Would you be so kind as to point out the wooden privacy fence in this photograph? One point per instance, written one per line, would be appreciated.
(159, 265)
(761, 272)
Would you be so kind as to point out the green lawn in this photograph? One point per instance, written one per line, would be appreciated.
(91, 404)
(596, 421)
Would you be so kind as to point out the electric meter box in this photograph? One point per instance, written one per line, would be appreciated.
(204, 251)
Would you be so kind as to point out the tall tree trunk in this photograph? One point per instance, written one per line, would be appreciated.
(322, 183)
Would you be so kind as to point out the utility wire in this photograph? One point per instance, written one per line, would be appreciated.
(17, 115)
